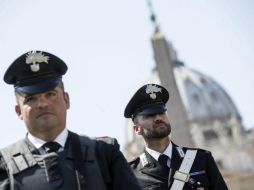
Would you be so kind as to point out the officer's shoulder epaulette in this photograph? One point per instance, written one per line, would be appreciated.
(134, 162)
(197, 148)
(106, 139)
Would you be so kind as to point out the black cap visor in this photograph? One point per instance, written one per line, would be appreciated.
(41, 87)
(151, 109)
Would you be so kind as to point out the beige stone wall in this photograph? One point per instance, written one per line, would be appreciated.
(236, 181)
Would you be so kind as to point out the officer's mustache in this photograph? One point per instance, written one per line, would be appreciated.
(44, 112)
(159, 122)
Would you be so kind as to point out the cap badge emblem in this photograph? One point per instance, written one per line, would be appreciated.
(33, 58)
(152, 90)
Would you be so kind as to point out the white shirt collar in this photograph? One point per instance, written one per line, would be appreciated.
(155, 154)
(38, 143)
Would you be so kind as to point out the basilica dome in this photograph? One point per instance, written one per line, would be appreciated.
(203, 98)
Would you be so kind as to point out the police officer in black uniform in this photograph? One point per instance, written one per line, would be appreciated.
(50, 156)
(163, 164)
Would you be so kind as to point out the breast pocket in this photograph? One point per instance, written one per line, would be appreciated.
(199, 182)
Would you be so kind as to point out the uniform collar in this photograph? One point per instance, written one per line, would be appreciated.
(155, 154)
(38, 143)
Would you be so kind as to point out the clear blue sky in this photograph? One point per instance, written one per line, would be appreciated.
(106, 45)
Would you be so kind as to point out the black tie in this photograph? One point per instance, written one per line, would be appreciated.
(51, 147)
(163, 159)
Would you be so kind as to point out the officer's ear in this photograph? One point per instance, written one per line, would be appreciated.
(18, 111)
(67, 100)
(137, 129)
(136, 126)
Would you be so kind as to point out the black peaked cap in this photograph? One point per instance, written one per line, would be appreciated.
(150, 99)
(35, 72)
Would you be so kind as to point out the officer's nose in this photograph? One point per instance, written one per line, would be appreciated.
(42, 102)
(157, 118)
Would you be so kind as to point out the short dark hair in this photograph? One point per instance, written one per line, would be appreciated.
(135, 119)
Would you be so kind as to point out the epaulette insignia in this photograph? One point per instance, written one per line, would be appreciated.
(180, 151)
(143, 159)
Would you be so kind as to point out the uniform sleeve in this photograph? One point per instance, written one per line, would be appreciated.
(215, 178)
(4, 180)
(115, 169)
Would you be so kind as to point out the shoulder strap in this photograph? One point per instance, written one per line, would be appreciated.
(103, 152)
(78, 164)
(182, 175)
(18, 157)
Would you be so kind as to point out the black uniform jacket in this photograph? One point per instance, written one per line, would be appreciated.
(204, 173)
(104, 167)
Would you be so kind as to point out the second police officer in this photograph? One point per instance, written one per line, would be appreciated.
(165, 165)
